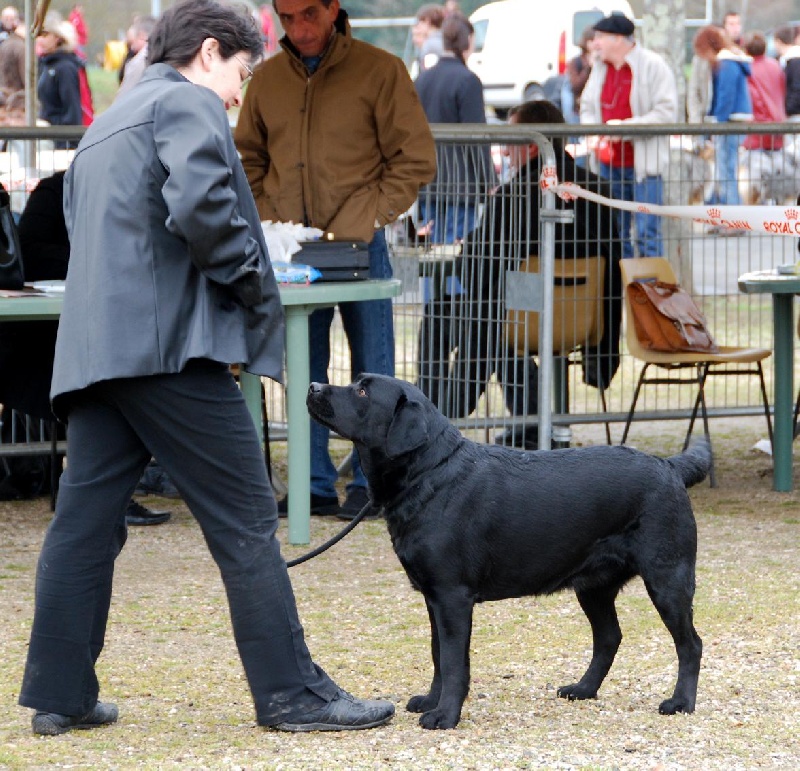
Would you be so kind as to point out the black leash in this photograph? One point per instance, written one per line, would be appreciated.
(330, 542)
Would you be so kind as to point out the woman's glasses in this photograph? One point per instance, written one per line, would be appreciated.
(247, 68)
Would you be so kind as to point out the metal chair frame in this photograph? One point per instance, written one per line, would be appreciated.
(703, 365)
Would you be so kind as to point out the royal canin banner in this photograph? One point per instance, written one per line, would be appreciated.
(775, 220)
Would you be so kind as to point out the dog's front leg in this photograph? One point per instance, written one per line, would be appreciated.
(452, 618)
(427, 701)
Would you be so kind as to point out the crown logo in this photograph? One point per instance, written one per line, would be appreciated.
(714, 213)
(643, 209)
(792, 214)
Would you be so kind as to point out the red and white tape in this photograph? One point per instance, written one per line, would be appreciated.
(774, 220)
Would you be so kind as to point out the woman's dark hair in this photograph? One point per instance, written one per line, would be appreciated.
(755, 44)
(181, 30)
(540, 111)
(456, 32)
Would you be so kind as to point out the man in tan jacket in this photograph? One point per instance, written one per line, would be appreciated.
(332, 135)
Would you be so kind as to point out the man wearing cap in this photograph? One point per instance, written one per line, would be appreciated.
(631, 85)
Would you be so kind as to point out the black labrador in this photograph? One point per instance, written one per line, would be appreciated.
(472, 522)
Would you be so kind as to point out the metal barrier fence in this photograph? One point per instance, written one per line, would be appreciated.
(472, 354)
(461, 344)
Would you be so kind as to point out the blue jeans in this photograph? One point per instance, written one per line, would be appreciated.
(647, 226)
(726, 165)
(370, 334)
(451, 221)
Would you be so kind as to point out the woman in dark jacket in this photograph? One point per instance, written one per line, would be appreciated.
(58, 89)
(168, 284)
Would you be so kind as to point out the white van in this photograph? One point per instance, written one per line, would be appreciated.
(519, 44)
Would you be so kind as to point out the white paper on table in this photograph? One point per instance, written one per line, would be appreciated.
(285, 238)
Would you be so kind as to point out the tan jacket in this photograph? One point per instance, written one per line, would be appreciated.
(345, 149)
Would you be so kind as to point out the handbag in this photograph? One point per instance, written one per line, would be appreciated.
(667, 319)
(11, 272)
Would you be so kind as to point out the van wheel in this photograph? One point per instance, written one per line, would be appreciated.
(533, 92)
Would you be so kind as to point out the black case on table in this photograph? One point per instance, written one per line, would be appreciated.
(336, 260)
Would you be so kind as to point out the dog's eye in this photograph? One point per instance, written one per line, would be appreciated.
(362, 391)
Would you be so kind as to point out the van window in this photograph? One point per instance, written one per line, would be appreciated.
(480, 34)
(581, 20)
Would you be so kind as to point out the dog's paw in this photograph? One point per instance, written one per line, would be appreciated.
(576, 692)
(422, 703)
(438, 719)
(673, 706)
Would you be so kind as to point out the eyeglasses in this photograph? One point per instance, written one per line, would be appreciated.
(247, 67)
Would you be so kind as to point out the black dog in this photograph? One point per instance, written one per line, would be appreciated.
(472, 522)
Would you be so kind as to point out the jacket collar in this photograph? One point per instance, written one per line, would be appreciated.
(163, 71)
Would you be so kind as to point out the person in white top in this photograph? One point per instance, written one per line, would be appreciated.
(631, 85)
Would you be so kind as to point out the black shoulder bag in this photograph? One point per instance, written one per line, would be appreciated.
(11, 273)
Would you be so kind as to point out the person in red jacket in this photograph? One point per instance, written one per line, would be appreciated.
(764, 160)
(78, 21)
(767, 85)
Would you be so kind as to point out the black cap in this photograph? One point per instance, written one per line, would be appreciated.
(615, 24)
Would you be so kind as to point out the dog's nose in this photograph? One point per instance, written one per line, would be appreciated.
(314, 388)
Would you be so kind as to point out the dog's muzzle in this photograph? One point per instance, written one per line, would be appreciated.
(316, 401)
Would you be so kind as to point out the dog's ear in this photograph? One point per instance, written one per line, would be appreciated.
(408, 430)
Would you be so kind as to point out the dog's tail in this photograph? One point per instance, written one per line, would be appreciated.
(694, 463)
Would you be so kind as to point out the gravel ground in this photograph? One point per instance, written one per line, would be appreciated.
(171, 665)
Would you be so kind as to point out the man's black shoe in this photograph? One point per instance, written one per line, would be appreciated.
(343, 713)
(156, 481)
(53, 724)
(321, 506)
(137, 514)
(357, 498)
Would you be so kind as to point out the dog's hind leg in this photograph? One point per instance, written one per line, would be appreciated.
(427, 701)
(672, 595)
(451, 613)
(598, 605)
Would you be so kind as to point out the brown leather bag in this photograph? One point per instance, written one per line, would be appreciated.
(666, 319)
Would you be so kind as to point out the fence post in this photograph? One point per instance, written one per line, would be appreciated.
(549, 216)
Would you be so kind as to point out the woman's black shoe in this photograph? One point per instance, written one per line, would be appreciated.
(343, 713)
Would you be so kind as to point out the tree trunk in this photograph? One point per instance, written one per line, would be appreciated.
(662, 19)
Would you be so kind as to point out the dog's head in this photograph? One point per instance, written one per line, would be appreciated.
(384, 414)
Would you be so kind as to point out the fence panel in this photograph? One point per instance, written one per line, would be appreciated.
(463, 348)
(469, 357)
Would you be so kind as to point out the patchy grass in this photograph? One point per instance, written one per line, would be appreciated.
(171, 665)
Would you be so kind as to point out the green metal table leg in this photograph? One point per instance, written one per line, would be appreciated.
(251, 388)
(783, 327)
(298, 375)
